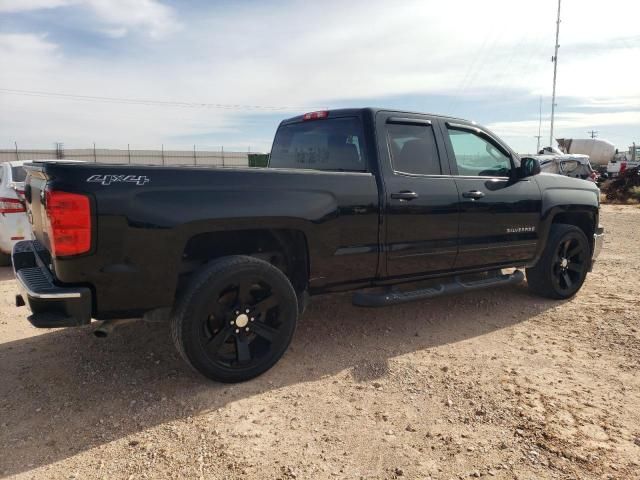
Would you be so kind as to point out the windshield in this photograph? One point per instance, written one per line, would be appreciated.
(18, 174)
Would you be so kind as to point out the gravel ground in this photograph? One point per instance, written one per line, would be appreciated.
(496, 383)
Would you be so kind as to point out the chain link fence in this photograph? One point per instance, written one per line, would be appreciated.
(140, 157)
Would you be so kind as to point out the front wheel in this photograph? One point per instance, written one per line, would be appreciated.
(236, 318)
(564, 264)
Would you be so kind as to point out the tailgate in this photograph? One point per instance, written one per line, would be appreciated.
(35, 185)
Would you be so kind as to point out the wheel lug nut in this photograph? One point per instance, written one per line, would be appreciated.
(247, 311)
(231, 322)
(237, 330)
(246, 329)
(252, 319)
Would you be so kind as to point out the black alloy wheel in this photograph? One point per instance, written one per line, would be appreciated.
(570, 263)
(236, 320)
(563, 265)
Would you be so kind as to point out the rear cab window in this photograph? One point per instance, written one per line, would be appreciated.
(330, 144)
(413, 148)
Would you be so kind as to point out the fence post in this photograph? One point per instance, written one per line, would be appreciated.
(129, 152)
(162, 154)
(194, 155)
(222, 150)
(95, 158)
(17, 156)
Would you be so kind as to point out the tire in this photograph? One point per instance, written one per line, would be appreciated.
(5, 259)
(235, 319)
(563, 266)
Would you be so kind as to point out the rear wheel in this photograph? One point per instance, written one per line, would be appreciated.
(564, 264)
(236, 319)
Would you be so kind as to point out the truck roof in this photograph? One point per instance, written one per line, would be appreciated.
(343, 112)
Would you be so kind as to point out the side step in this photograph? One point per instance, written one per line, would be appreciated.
(367, 299)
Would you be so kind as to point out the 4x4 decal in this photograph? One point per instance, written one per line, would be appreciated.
(109, 179)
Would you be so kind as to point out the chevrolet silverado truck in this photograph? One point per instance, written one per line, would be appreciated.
(396, 206)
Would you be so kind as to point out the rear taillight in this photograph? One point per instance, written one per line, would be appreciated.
(623, 166)
(68, 223)
(11, 205)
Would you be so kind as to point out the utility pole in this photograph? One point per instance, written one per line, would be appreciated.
(555, 71)
(539, 136)
(593, 133)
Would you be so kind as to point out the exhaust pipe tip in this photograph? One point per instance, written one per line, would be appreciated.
(107, 326)
(101, 332)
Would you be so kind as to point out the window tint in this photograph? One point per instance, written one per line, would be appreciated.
(476, 156)
(413, 149)
(331, 144)
(18, 174)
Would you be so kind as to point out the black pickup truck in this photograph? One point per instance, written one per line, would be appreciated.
(354, 199)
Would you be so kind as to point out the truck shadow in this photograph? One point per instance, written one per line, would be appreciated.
(64, 391)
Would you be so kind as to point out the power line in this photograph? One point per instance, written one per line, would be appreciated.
(140, 101)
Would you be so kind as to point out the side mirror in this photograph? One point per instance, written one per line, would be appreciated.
(529, 167)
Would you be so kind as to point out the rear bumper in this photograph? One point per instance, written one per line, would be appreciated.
(51, 305)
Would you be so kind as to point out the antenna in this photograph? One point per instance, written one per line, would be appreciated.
(539, 126)
(593, 133)
(554, 59)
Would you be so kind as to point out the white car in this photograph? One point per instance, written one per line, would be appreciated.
(14, 225)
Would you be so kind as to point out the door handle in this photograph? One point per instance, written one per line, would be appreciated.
(473, 194)
(404, 195)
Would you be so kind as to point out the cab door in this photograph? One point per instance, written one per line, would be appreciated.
(420, 229)
(499, 212)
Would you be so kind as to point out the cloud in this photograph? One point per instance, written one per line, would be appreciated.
(155, 19)
(26, 5)
(121, 16)
(297, 54)
(569, 121)
(116, 32)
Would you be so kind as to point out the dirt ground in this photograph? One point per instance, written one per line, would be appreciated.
(496, 383)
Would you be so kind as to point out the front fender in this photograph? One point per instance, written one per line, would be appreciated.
(564, 196)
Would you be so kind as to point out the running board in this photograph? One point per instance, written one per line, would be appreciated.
(367, 299)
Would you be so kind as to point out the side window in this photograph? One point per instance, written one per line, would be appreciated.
(413, 149)
(476, 156)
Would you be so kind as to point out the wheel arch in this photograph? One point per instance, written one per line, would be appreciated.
(585, 217)
(285, 248)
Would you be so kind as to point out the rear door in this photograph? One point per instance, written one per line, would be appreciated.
(421, 212)
(499, 214)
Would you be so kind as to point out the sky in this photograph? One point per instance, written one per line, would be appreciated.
(224, 73)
